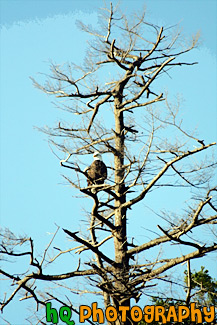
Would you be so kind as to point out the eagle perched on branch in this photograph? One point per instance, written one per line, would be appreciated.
(97, 171)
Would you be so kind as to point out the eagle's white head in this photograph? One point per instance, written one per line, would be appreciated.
(97, 156)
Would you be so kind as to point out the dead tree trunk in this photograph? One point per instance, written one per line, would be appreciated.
(141, 161)
(120, 234)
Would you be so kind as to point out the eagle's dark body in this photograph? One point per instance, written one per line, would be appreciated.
(97, 173)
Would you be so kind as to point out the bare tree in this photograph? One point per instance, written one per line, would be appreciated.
(119, 83)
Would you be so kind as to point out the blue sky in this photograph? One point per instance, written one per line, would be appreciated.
(33, 196)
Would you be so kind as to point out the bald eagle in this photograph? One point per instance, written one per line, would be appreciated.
(97, 171)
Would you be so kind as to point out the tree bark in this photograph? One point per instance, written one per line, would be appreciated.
(120, 238)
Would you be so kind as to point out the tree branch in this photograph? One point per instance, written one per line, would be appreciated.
(162, 172)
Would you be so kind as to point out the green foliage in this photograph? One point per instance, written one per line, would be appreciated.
(203, 293)
(204, 287)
